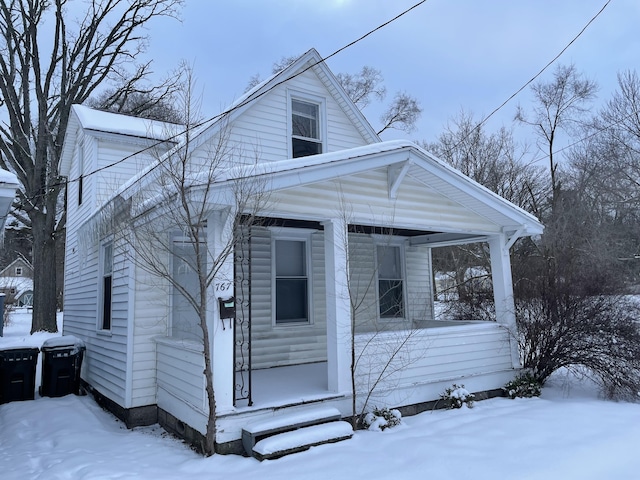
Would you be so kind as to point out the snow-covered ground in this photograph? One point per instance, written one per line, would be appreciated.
(567, 433)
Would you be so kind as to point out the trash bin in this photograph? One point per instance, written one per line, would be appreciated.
(18, 374)
(1, 314)
(61, 362)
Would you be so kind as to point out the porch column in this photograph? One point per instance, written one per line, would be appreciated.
(503, 291)
(219, 238)
(338, 310)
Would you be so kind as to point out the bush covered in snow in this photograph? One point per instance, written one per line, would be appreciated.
(456, 396)
(382, 418)
(524, 385)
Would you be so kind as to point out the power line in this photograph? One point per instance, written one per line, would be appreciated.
(239, 105)
(539, 73)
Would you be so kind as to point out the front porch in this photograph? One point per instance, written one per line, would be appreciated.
(477, 354)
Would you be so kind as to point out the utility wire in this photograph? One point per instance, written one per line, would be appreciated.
(537, 74)
(237, 106)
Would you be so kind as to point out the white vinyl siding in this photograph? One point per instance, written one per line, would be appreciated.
(419, 284)
(263, 129)
(105, 363)
(275, 345)
(366, 198)
(432, 356)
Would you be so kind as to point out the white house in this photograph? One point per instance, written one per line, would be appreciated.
(16, 282)
(348, 216)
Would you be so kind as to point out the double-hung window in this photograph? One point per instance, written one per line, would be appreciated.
(390, 281)
(306, 136)
(106, 285)
(291, 281)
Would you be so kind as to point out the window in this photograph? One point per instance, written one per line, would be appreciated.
(185, 321)
(390, 281)
(80, 170)
(305, 128)
(107, 282)
(292, 281)
(18, 271)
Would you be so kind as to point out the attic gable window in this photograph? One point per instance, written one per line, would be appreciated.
(305, 128)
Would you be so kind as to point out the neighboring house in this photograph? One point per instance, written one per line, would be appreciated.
(334, 181)
(16, 282)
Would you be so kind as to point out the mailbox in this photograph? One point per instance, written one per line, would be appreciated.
(227, 307)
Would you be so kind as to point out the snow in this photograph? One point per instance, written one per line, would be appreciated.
(9, 179)
(92, 119)
(567, 433)
(302, 417)
(303, 436)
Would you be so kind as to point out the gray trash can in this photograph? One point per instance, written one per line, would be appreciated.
(61, 363)
(1, 314)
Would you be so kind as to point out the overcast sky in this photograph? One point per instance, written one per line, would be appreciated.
(450, 54)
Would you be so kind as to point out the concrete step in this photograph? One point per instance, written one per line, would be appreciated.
(300, 439)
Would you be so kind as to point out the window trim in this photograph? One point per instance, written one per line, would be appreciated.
(383, 241)
(292, 234)
(80, 171)
(104, 274)
(322, 128)
(18, 271)
(179, 238)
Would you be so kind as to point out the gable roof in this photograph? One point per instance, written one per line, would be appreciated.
(92, 120)
(310, 60)
(8, 270)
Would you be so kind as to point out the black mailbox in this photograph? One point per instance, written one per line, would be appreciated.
(227, 307)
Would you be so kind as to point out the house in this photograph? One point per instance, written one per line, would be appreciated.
(347, 217)
(16, 282)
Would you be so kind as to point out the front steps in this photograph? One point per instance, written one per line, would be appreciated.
(274, 438)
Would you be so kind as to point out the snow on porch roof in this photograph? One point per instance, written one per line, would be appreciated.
(421, 165)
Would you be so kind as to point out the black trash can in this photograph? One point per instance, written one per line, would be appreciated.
(61, 362)
(18, 374)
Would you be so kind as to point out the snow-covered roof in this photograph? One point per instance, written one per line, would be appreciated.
(8, 186)
(21, 284)
(309, 60)
(422, 166)
(98, 120)
(92, 120)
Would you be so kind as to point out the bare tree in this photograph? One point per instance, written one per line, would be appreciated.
(401, 114)
(560, 105)
(40, 78)
(497, 162)
(176, 228)
(380, 347)
(364, 85)
(130, 97)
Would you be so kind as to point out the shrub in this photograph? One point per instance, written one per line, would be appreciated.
(600, 333)
(456, 396)
(524, 385)
(382, 418)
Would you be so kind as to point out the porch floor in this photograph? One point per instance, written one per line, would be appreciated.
(280, 386)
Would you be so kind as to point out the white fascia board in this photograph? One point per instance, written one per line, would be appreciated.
(465, 184)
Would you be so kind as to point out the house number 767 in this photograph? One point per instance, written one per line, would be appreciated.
(223, 286)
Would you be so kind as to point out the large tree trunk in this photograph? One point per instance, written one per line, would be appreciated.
(44, 274)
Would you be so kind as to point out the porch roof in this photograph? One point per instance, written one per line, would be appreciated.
(402, 159)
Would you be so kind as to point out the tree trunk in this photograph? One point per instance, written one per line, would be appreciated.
(44, 275)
